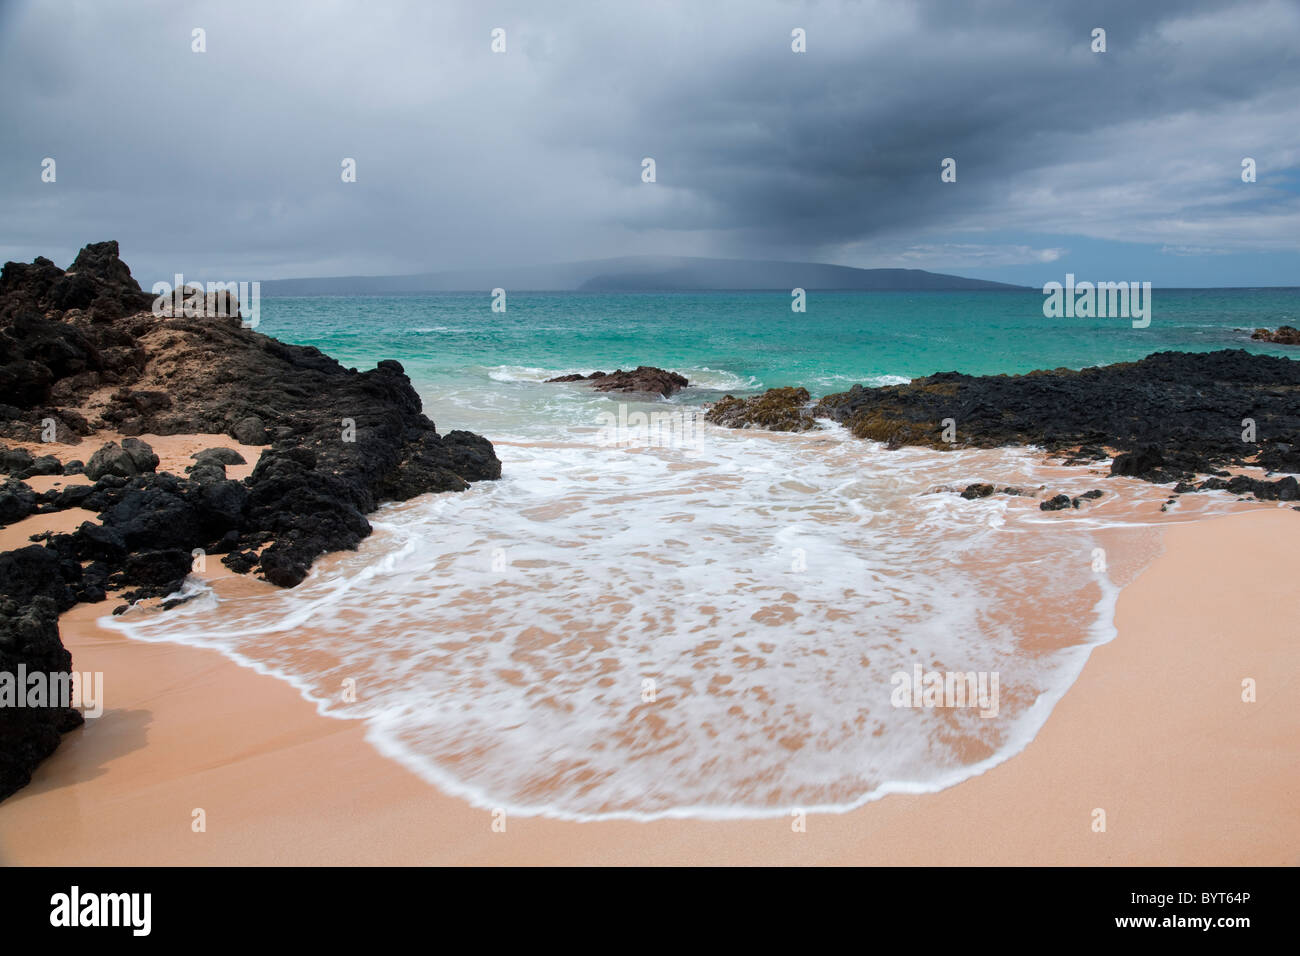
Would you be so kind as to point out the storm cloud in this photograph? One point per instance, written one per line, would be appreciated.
(228, 162)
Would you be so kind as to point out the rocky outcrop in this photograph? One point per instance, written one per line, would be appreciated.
(644, 379)
(1168, 418)
(1171, 415)
(84, 350)
(98, 284)
(777, 409)
(1282, 335)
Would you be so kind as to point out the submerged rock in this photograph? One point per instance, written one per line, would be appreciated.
(643, 378)
(777, 409)
(1282, 335)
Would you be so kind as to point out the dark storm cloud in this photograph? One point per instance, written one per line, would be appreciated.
(228, 161)
(847, 143)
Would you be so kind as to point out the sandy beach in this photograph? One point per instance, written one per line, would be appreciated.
(1155, 733)
(774, 434)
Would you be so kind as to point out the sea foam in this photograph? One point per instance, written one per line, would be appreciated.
(706, 631)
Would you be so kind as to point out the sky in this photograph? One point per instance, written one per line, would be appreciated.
(226, 164)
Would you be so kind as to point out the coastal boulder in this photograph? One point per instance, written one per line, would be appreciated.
(29, 639)
(44, 465)
(207, 472)
(777, 409)
(164, 569)
(96, 542)
(26, 573)
(221, 504)
(15, 461)
(153, 517)
(19, 463)
(222, 456)
(40, 352)
(131, 458)
(471, 456)
(1137, 464)
(250, 430)
(17, 501)
(1280, 456)
(285, 566)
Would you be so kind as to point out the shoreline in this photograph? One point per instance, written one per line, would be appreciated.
(188, 728)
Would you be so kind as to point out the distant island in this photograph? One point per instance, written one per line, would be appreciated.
(644, 274)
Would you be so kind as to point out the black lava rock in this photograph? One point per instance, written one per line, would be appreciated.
(341, 443)
(29, 639)
(1137, 464)
(130, 458)
(17, 501)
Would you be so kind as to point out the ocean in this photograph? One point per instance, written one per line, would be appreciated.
(650, 616)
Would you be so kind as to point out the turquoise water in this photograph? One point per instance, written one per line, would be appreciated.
(765, 591)
(751, 340)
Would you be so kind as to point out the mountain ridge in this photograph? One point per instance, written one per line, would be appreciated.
(643, 274)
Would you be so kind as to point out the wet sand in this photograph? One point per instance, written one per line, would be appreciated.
(1154, 733)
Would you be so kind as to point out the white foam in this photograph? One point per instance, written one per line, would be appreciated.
(827, 384)
(527, 373)
(721, 380)
(769, 584)
(701, 377)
